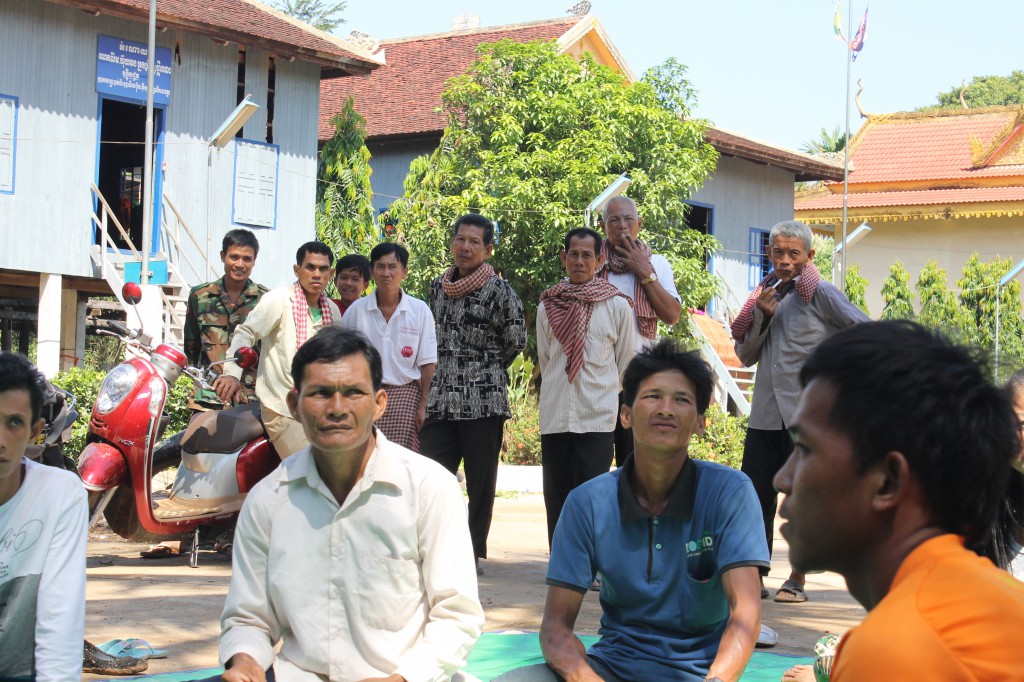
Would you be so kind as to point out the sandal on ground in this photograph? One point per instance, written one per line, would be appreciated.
(225, 542)
(101, 663)
(159, 552)
(132, 648)
(767, 638)
(791, 593)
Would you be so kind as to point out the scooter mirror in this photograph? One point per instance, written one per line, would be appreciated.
(246, 357)
(131, 293)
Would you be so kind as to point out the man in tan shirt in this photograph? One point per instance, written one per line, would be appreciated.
(585, 338)
(283, 320)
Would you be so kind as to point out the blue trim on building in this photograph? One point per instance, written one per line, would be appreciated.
(758, 263)
(14, 146)
(711, 231)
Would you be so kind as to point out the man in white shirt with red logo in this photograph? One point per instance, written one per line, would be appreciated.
(401, 328)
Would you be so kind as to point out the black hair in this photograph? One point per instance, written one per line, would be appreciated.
(900, 387)
(384, 248)
(333, 343)
(476, 220)
(314, 247)
(240, 237)
(583, 232)
(1015, 384)
(668, 355)
(18, 374)
(354, 261)
(1002, 544)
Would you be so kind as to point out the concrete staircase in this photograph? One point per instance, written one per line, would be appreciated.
(112, 261)
(734, 382)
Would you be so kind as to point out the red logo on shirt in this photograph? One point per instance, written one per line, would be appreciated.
(407, 352)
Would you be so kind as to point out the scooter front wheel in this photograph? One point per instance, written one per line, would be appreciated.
(121, 514)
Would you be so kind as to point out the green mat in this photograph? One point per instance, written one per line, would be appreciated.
(498, 652)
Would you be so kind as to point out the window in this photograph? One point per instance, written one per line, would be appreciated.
(255, 194)
(758, 263)
(8, 136)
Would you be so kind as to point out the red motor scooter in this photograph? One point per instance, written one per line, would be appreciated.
(219, 457)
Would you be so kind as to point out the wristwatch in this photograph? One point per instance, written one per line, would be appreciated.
(653, 277)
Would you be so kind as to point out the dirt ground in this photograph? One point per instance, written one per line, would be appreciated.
(177, 608)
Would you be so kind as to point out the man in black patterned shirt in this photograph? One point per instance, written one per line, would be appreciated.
(480, 331)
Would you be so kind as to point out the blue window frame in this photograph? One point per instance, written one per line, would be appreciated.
(8, 141)
(254, 197)
(758, 263)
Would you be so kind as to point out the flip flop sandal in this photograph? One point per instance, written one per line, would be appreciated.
(101, 663)
(767, 638)
(159, 552)
(791, 593)
(132, 648)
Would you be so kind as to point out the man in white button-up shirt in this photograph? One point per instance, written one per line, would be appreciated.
(401, 327)
(355, 554)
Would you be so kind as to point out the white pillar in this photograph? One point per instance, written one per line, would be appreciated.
(48, 329)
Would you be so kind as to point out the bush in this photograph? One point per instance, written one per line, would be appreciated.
(521, 440)
(723, 438)
(84, 384)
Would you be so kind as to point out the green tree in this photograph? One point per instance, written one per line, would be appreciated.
(855, 287)
(533, 136)
(984, 91)
(345, 218)
(978, 298)
(896, 293)
(324, 15)
(826, 143)
(939, 306)
(824, 250)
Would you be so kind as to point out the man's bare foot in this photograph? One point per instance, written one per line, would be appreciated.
(799, 673)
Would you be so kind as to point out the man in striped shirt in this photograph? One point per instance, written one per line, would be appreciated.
(585, 338)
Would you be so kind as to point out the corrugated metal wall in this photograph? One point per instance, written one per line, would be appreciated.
(390, 162)
(49, 57)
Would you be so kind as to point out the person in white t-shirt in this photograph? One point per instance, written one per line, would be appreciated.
(401, 328)
(645, 277)
(43, 521)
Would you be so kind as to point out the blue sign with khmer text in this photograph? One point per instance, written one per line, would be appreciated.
(121, 67)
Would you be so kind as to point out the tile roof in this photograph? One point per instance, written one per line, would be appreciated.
(804, 166)
(246, 22)
(928, 197)
(928, 146)
(402, 97)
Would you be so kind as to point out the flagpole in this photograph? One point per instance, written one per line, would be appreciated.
(841, 283)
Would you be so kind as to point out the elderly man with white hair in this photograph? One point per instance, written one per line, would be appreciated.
(783, 319)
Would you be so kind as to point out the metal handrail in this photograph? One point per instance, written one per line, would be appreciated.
(102, 224)
(181, 224)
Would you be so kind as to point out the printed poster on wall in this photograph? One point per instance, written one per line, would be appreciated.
(121, 68)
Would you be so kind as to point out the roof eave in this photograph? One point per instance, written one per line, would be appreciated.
(331, 63)
(804, 167)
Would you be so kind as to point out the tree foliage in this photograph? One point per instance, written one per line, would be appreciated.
(826, 143)
(978, 299)
(897, 295)
(855, 286)
(533, 136)
(324, 15)
(344, 208)
(984, 91)
(940, 308)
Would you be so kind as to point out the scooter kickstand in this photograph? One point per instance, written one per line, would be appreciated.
(193, 559)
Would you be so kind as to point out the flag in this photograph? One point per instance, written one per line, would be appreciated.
(857, 44)
(837, 24)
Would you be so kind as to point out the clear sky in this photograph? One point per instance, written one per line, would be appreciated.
(767, 69)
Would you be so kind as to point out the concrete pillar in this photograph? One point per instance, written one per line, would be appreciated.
(48, 325)
(81, 312)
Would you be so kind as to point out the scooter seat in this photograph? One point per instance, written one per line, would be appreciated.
(223, 430)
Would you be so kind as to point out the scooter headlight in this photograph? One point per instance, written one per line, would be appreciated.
(157, 389)
(115, 388)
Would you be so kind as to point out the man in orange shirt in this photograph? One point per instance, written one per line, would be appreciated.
(901, 456)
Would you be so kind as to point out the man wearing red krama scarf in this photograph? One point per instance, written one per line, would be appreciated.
(585, 338)
(645, 277)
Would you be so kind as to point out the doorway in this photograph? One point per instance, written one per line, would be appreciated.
(121, 175)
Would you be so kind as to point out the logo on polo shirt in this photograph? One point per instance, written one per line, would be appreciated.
(407, 352)
(700, 546)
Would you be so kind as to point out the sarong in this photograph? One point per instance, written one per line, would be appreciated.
(398, 423)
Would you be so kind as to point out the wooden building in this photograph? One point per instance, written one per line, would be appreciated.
(72, 124)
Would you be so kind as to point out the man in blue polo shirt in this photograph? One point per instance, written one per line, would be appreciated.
(678, 544)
